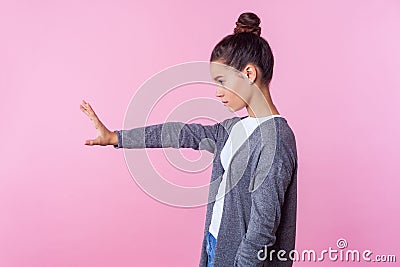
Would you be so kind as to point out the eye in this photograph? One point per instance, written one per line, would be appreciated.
(221, 81)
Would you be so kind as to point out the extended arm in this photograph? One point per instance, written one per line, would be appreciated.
(170, 134)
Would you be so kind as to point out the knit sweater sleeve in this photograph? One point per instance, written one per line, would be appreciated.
(170, 134)
(267, 197)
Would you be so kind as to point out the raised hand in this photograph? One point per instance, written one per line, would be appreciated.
(104, 136)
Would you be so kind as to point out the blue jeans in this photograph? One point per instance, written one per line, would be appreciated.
(211, 242)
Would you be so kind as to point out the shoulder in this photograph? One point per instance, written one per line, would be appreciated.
(277, 151)
(227, 124)
(279, 141)
(279, 128)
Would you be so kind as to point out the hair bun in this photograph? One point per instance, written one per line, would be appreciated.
(248, 22)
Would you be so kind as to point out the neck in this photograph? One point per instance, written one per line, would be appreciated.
(260, 104)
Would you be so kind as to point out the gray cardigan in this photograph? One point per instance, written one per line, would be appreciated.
(259, 210)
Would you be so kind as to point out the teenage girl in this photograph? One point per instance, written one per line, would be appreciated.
(250, 221)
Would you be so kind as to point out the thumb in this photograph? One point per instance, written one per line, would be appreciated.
(91, 142)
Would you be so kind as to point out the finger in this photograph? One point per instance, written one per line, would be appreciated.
(84, 110)
(90, 112)
(82, 107)
(90, 142)
(90, 109)
(84, 104)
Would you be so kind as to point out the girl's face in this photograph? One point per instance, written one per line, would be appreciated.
(232, 86)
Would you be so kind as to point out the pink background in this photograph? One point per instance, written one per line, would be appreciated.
(66, 204)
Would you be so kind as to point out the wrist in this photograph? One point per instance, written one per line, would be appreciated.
(113, 139)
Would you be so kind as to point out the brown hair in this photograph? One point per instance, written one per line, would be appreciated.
(246, 46)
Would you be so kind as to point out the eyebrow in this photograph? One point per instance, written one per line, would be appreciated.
(219, 76)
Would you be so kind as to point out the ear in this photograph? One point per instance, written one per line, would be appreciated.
(250, 72)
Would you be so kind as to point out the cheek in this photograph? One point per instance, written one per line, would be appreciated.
(240, 91)
(237, 98)
(237, 103)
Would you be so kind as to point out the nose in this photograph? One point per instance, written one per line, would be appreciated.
(219, 92)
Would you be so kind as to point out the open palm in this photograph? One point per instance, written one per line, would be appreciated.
(103, 134)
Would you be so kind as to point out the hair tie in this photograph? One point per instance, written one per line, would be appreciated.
(240, 27)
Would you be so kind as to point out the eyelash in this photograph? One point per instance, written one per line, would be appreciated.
(220, 81)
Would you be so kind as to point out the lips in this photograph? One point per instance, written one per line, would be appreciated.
(224, 102)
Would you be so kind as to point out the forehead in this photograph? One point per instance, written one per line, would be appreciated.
(219, 68)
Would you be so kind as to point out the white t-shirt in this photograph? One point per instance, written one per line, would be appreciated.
(240, 132)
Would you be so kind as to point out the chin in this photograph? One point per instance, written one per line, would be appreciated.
(232, 109)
